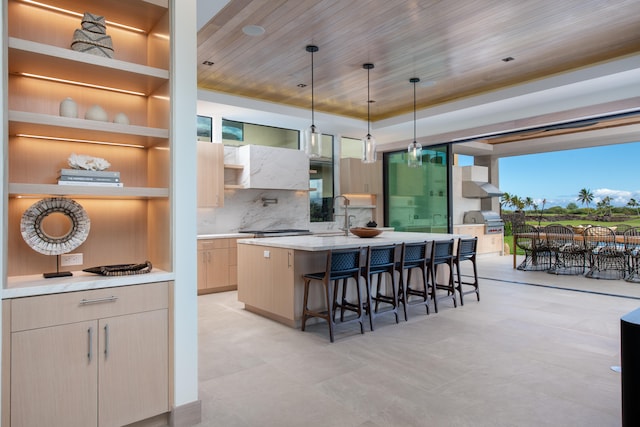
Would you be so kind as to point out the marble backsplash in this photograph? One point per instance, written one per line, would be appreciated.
(246, 209)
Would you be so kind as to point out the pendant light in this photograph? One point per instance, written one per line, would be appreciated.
(368, 142)
(312, 137)
(414, 159)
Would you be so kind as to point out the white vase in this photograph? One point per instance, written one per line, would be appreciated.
(121, 118)
(96, 112)
(68, 108)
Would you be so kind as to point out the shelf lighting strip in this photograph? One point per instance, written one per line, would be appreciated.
(76, 83)
(85, 141)
(72, 13)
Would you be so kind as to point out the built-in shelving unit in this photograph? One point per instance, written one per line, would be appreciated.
(232, 178)
(130, 223)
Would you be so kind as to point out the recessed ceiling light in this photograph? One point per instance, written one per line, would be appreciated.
(253, 30)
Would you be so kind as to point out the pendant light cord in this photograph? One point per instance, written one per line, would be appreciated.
(312, 98)
(368, 104)
(414, 80)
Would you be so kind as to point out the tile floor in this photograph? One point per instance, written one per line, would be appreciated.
(530, 353)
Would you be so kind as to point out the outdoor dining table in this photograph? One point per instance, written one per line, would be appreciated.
(542, 236)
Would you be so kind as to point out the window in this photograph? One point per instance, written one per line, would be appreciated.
(238, 133)
(321, 183)
(350, 148)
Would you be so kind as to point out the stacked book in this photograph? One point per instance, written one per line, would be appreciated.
(89, 177)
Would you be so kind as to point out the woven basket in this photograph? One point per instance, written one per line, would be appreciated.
(94, 23)
(93, 43)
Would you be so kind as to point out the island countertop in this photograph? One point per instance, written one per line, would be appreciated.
(323, 242)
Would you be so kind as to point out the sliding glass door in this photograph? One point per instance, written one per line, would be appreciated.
(417, 199)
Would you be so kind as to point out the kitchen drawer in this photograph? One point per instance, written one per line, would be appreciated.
(205, 245)
(57, 309)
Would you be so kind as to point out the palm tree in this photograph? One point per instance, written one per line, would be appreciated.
(585, 196)
(528, 202)
(505, 200)
(517, 203)
(632, 203)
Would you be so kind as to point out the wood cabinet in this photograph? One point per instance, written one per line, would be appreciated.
(270, 282)
(94, 358)
(360, 178)
(130, 223)
(273, 286)
(217, 265)
(210, 174)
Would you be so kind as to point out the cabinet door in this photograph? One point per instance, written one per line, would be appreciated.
(218, 268)
(203, 262)
(269, 282)
(210, 174)
(233, 262)
(54, 376)
(357, 177)
(134, 367)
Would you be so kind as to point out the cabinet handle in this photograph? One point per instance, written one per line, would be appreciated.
(84, 301)
(209, 257)
(90, 339)
(289, 259)
(106, 341)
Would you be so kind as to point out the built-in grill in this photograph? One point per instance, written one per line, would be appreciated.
(277, 232)
(493, 224)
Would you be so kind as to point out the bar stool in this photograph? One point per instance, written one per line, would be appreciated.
(413, 257)
(442, 254)
(467, 252)
(341, 265)
(380, 262)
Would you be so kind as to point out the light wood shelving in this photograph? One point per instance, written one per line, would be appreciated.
(41, 71)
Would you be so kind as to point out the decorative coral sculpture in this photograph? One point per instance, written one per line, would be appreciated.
(82, 161)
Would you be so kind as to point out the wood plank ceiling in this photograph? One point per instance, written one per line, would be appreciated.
(456, 47)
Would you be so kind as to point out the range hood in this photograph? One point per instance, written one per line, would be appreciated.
(480, 190)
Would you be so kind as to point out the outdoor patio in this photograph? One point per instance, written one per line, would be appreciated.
(501, 269)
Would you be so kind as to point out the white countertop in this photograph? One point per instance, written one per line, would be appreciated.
(321, 242)
(25, 286)
(221, 236)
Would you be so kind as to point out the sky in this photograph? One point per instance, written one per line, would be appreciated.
(558, 177)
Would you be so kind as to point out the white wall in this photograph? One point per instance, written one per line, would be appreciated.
(183, 118)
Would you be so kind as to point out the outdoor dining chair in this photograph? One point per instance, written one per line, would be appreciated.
(607, 259)
(536, 254)
(567, 253)
(632, 253)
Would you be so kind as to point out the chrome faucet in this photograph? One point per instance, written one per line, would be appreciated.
(346, 213)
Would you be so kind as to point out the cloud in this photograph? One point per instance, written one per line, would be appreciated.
(618, 198)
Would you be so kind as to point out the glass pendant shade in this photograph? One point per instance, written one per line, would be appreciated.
(368, 142)
(369, 149)
(414, 158)
(313, 142)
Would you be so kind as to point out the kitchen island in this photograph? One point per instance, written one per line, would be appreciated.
(270, 269)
